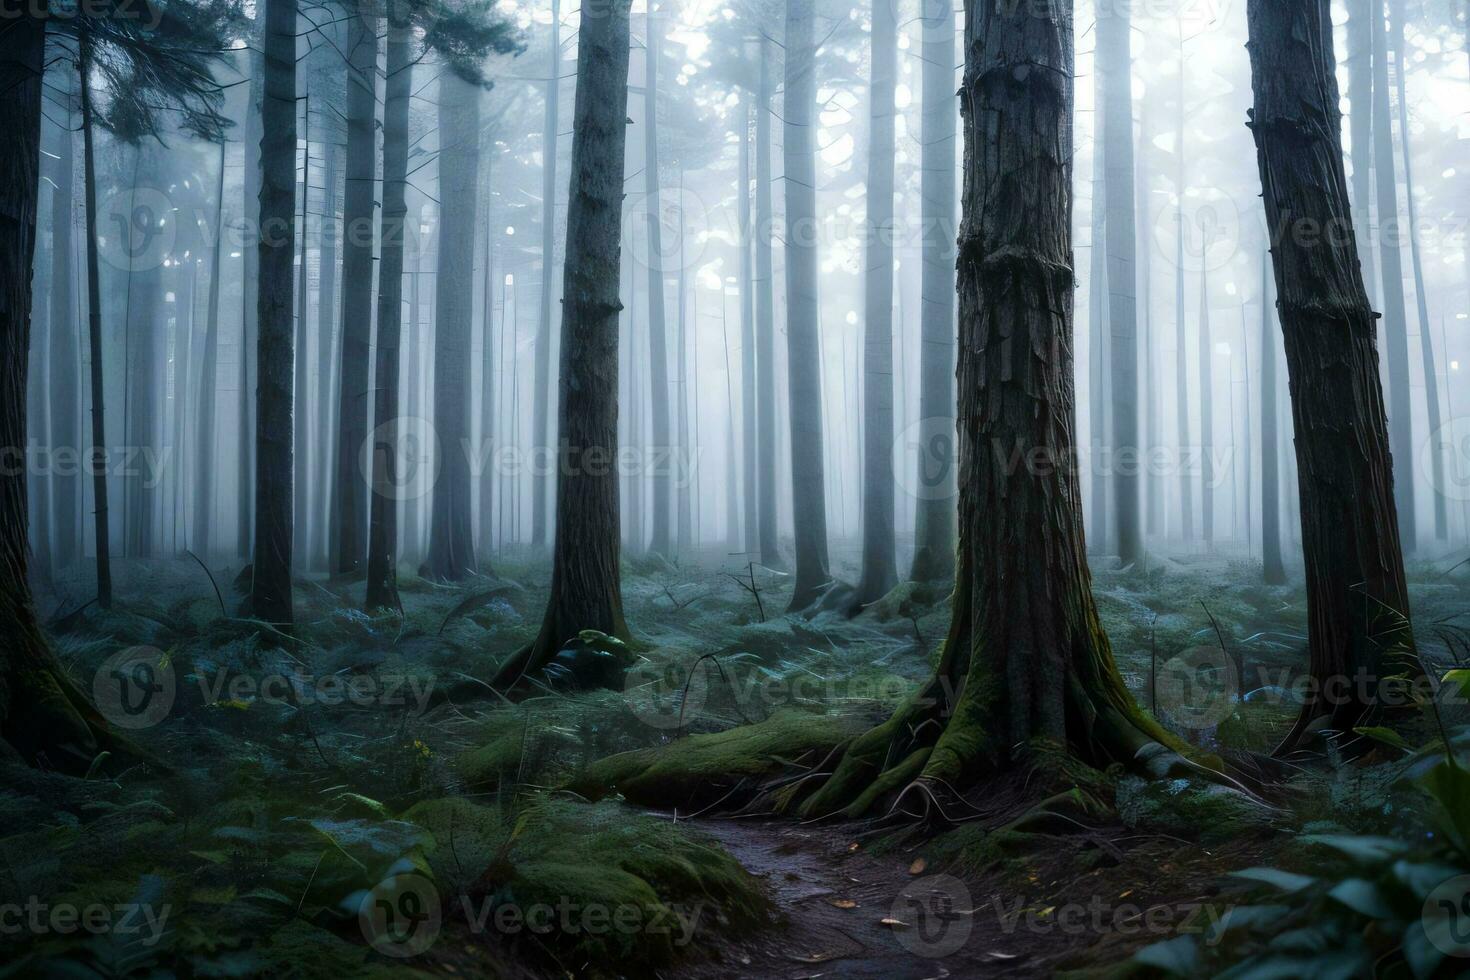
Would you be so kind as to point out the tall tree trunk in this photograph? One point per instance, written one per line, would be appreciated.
(1271, 565)
(1026, 657)
(1360, 101)
(658, 350)
(65, 392)
(1357, 602)
(1426, 343)
(250, 282)
(934, 510)
(1097, 334)
(1115, 64)
(204, 430)
(487, 367)
(1206, 409)
(880, 562)
(586, 589)
(689, 453)
(451, 533)
(300, 416)
(328, 358)
(270, 585)
(803, 331)
(765, 316)
(44, 719)
(1181, 358)
(1395, 319)
(350, 496)
(748, 455)
(103, 542)
(1151, 403)
(541, 416)
(382, 556)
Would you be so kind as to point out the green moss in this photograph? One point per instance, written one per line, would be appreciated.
(698, 770)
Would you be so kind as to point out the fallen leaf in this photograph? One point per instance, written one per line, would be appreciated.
(893, 923)
(843, 903)
(917, 868)
(853, 846)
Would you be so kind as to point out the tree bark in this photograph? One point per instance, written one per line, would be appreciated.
(328, 360)
(382, 558)
(1114, 64)
(765, 316)
(880, 562)
(1273, 569)
(748, 411)
(541, 417)
(94, 332)
(1026, 658)
(250, 280)
(934, 511)
(451, 534)
(586, 590)
(65, 394)
(270, 586)
(803, 331)
(1357, 602)
(658, 348)
(350, 511)
(204, 432)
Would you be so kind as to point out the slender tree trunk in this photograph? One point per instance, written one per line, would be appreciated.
(803, 331)
(249, 326)
(44, 719)
(1272, 567)
(1360, 100)
(451, 534)
(934, 510)
(65, 393)
(880, 561)
(748, 424)
(1026, 657)
(328, 358)
(1426, 343)
(1097, 327)
(487, 369)
(658, 353)
(382, 558)
(1357, 602)
(765, 317)
(270, 587)
(689, 458)
(1181, 358)
(1206, 410)
(302, 407)
(541, 417)
(94, 330)
(350, 499)
(1151, 407)
(204, 433)
(586, 590)
(1115, 62)
(1395, 318)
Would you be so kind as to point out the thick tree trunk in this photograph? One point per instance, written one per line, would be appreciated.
(880, 563)
(934, 508)
(270, 585)
(541, 415)
(1115, 64)
(350, 497)
(204, 431)
(1026, 657)
(94, 331)
(43, 718)
(451, 534)
(1395, 323)
(1426, 343)
(803, 330)
(658, 348)
(382, 557)
(65, 394)
(586, 589)
(765, 316)
(1271, 565)
(1357, 602)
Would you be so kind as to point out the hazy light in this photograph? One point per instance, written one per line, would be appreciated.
(1454, 365)
(510, 229)
(510, 280)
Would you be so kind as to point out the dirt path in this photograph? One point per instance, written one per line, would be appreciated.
(835, 901)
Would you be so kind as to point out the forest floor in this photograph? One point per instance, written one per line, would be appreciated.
(321, 790)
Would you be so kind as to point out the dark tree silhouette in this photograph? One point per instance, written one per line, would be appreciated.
(1357, 602)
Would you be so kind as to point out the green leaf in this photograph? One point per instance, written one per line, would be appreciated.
(1360, 847)
(1385, 735)
(1363, 897)
(1284, 880)
(1458, 681)
(1422, 955)
(1178, 956)
(1449, 786)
